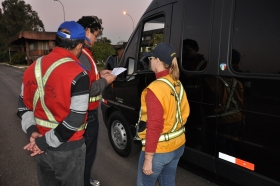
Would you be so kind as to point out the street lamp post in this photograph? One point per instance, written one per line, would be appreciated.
(63, 9)
(125, 13)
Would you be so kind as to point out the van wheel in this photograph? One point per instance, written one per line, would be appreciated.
(120, 135)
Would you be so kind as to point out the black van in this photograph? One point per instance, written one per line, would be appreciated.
(230, 69)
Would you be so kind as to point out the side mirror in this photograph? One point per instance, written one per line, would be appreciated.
(130, 69)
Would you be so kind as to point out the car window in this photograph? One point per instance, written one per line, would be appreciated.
(152, 34)
(256, 38)
(196, 37)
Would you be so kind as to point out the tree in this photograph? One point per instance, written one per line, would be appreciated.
(102, 49)
(17, 16)
(156, 39)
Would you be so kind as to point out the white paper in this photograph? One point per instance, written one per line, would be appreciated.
(117, 71)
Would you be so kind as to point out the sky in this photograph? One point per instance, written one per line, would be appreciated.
(117, 26)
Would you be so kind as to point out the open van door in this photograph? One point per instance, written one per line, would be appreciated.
(124, 105)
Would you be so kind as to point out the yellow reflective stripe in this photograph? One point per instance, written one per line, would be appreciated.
(95, 98)
(178, 98)
(52, 125)
(46, 76)
(46, 124)
(41, 82)
(230, 91)
(168, 136)
(38, 75)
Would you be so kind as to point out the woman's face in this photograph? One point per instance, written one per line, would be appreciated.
(153, 63)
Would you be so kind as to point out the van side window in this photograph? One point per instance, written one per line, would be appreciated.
(256, 36)
(196, 38)
(152, 34)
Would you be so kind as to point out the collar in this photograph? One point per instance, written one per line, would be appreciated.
(162, 73)
(87, 46)
(63, 52)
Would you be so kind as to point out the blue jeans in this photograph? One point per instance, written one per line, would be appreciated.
(61, 168)
(90, 135)
(164, 168)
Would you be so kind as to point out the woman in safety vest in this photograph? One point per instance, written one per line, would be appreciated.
(164, 112)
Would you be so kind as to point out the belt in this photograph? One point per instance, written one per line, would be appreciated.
(52, 125)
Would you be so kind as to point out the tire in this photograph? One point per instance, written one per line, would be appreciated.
(120, 135)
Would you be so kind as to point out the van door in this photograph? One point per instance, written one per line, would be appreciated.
(248, 137)
(199, 42)
(152, 29)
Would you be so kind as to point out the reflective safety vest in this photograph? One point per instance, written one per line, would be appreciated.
(49, 106)
(172, 97)
(231, 100)
(94, 100)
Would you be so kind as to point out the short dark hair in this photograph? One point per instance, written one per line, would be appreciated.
(191, 43)
(91, 22)
(66, 43)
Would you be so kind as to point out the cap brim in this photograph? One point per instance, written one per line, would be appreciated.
(148, 54)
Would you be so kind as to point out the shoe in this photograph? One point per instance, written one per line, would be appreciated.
(94, 182)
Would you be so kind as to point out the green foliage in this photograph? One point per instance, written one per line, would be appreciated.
(157, 38)
(17, 16)
(102, 50)
(18, 58)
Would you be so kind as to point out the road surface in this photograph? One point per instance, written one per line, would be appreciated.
(17, 168)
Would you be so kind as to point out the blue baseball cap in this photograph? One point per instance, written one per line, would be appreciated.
(164, 51)
(75, 29)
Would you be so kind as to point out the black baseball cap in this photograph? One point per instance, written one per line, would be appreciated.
(164, 51)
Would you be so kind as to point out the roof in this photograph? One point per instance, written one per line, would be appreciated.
(41, 36)
(120, 46)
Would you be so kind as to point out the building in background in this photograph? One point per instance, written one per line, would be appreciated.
(33, 44)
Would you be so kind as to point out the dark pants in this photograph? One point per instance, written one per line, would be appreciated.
(61, 168)
(91, 135)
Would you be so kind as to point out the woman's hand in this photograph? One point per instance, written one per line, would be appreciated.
(148, 164)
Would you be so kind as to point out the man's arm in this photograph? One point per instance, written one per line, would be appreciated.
(27, 116)
(97, 87)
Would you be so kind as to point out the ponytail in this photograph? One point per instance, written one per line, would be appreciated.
(173, 69)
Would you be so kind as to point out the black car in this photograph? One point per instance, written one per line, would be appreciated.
(230, 69)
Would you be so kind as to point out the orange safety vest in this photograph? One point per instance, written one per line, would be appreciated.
(176, 111)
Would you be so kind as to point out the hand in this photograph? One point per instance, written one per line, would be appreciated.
(148, 165)
(32, 138)
(32, 145)
(35, 135)
(36, 151)
(103, 73)
(33, 148)
(110, 78)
